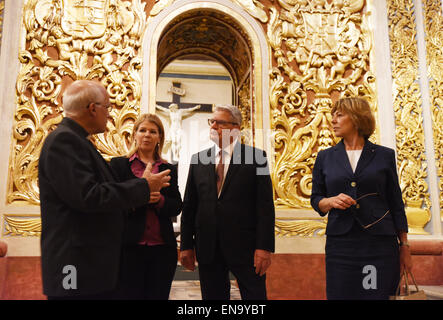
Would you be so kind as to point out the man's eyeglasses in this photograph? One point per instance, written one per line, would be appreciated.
(108, 107)
(220, 123)
(367, 225)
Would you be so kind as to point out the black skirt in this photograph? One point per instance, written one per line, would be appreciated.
(360, 266)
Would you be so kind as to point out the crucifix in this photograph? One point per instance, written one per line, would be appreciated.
(178, 111)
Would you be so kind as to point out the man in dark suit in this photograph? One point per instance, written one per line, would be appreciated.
(82, 205)
(228, 213)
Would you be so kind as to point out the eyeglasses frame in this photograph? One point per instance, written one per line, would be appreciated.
(221, 123)
(376, 221)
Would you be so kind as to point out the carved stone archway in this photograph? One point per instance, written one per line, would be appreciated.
(214, 35)
(186, 27)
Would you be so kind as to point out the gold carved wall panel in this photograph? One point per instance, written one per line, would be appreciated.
(409, 133)
(321, 51)
(245, 106)
(68, 40)
(255, 8)
(433, 23)
(287, 227)
(25, 225)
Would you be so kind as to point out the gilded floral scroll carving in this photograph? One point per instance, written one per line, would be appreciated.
(434, 52)
(68, 40)
(411, 159)
(2, 9)
(321, 49)
(22, 225)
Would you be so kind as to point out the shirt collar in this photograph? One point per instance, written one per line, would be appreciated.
(136, 156)
(133, 157)
(228, 149)
(75, 126)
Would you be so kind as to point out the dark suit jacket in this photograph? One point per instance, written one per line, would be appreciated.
(376, 172)
(241, 219)
(136, 219)
(82, 210)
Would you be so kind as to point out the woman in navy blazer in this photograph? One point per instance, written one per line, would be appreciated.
(149, 256)
(356, 184)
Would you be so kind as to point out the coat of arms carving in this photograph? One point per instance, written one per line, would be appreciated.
(84, 18)
(320, 32)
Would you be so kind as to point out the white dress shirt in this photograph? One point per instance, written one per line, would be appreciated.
(354, 156)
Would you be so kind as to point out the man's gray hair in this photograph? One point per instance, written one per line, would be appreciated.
(233, 110)
(80, 94)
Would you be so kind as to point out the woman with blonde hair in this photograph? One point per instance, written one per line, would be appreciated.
(149, 255)
(356, 184)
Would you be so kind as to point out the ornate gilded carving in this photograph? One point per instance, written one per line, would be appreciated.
(87, 39)
(300, 227)
(255, 9)
(159, 6)
(434, 52)
(22, 225)
(411, 159)
(2, 8)
(244, 96)
(84, 19)
(320, 49)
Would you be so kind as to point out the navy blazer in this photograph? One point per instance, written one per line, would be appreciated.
(376, 172)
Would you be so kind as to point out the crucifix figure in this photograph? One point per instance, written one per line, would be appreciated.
(178, 111)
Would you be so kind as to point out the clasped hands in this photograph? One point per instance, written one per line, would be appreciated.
(156, 181)
(262, 260)
(342, 202)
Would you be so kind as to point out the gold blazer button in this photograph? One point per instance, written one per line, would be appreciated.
(353, 184)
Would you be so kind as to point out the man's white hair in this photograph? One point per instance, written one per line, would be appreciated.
(233, 110)
(80, 94)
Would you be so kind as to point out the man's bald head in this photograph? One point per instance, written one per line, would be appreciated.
(87, 103)
(80, 94)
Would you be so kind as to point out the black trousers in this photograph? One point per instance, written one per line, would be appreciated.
(215, 284)
(146, 272)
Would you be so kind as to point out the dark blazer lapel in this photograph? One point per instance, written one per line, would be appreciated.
(367, 154)
(80, 131)
(342, 157)
(233, 166)
(106, 168)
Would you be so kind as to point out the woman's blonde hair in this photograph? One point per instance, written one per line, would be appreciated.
(152, 118)
(360, 113)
